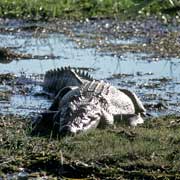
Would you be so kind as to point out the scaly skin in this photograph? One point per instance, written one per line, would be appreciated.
(93, 104)
(82, 104)
(57, 79)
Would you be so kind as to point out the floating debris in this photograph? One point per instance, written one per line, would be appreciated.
(120, 76)
(7, 55)
(6, 77)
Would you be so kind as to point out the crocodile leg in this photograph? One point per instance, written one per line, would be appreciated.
(129, 119)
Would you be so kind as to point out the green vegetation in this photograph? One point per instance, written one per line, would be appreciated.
(148, 151)
(45, 9)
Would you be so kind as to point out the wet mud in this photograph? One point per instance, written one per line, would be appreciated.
(142, 56)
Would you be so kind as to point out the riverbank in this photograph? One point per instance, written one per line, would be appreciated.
(148, 151)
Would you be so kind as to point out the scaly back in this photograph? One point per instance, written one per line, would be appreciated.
(59, 78)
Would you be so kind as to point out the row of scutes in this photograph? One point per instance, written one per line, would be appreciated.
(65, 76)
(97, 87)
(79, 72)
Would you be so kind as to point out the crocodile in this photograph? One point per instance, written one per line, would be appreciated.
(56, 79)
(82, 103)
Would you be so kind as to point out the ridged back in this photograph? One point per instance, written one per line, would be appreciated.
(96, 87)
(59, 78)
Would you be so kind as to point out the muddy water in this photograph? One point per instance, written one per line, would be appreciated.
(154, 81)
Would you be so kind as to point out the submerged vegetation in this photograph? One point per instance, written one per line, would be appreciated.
(45, 9)
(149, 151)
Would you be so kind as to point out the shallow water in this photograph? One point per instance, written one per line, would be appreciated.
(153, 81)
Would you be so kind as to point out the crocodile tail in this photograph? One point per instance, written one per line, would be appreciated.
(57, 79)
(139, 108)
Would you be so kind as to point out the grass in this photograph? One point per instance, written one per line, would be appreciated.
(148, 151)
(55, 8)
(80, 9)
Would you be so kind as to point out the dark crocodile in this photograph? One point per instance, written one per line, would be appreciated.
(55, 80)
(82, 103)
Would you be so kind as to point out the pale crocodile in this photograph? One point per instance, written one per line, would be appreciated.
(82, 103)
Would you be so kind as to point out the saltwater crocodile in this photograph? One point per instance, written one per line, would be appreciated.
(82, 103)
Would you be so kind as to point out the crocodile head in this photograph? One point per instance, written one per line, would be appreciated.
(77, 116)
